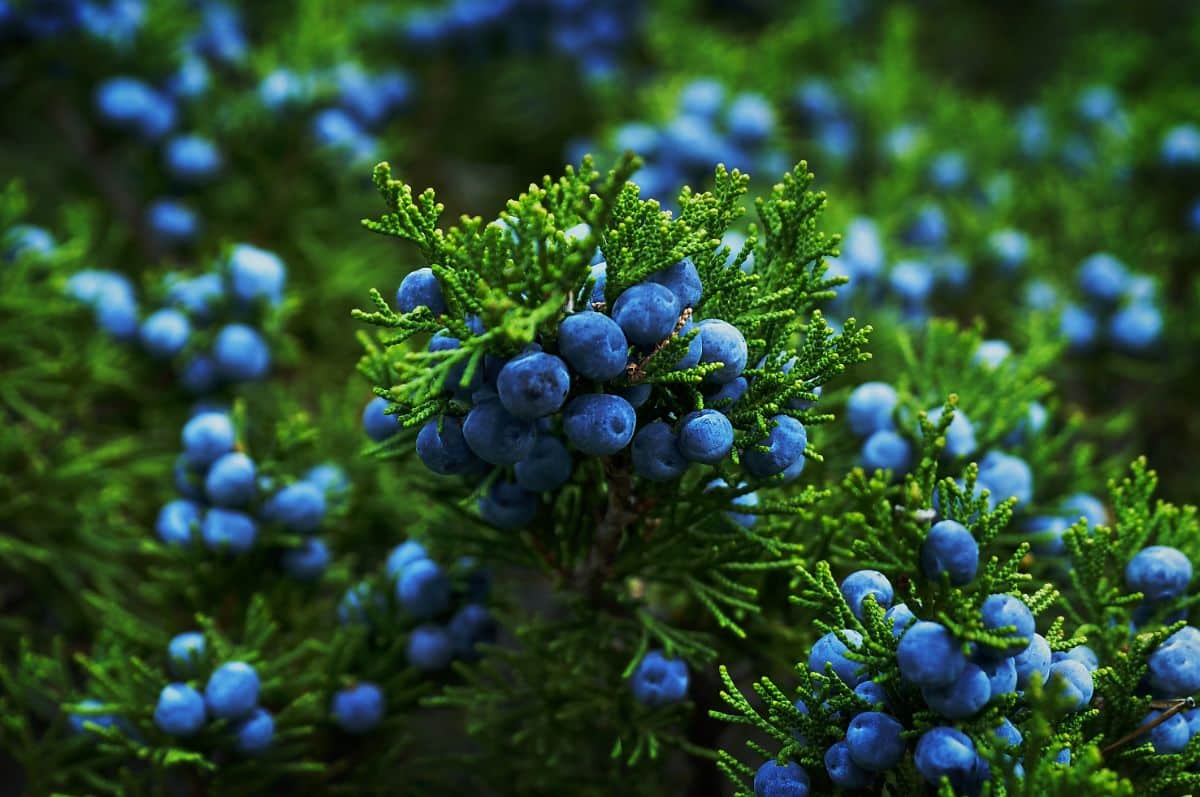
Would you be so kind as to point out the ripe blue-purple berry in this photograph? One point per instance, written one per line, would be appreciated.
(658, 680)
(232, 690)
(359, 708)
(599, 424)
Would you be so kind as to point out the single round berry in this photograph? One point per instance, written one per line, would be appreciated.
(963, 697)
(191, 157)
(1001, 674)
(861, 583)
(180, 710)
(359, 708)
(723, 343)
(658, 680)
(656, 454)
(1079, 326)
(842, 769)
(871, 693)
(1175, 665)
(232, 690)
(1007, 477)
(594, 345)
(178, 521)
(929, 656)
(420, 288)
(231, 481)
(869, 408)
(1083, 505)
(443, 448)
(705, 436)
(402, 556)
(496, 436)
(1159, 572)
(470, 625)
(899, 617)
(776, 780)
(683, 280)
(599, 424)
(256, 274)
(547, 467)
(164, 333)
(1033, 660)
(423, 589)
(206, 437)
(299, 507)
(227, 530)
(255, 733)
(887, 450)
(329, 477)
(646, 313)
(199, 376)
(185, 652)
(1103, 277)
(79, 722)
(357, 603)
(508, 506)
(429, 648)
(172, 222)
(946, 752)
(307, 561)
(533, 385)
(785, 444)
(831, 650)
(1075, 681)
(1136, 327)
(241, 354)
(874, 740)
(1000, 611)
(378, 425)
(960, 435)
(695, 350)
(950, 549)
(728, 394)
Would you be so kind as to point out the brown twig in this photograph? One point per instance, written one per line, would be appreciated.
(1169, 708)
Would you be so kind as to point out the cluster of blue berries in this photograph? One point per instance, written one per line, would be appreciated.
(528, 412)
(709, 127)
(1120, 306)
(1163, 574)
(659, 680)
(590, 32)
(26, 240)
(451, 615)
(362, 104)
(871, 411)
(1098, 118)
(823, 117)
(231, 693)
(955, 680)
(208, 327)
(152, 114)
(114, 21)
(225, 500)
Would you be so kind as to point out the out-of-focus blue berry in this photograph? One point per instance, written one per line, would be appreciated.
(192, 158)
(960, 435)
(1103, 278)
(704, 97)
(1007, 476)
(172, 221)
(306, 561)
(180, 710)
(1136, 326)
(231, 481)
(299, 507)
(185, 652)
(948, 171)
(378, 425)
(912, 281)
(423, 589)
(658, 680)
(750, 119)
(1097, 103)
(928, 228)
(27, 239)
(1181, 145)
(1159, 572)
(869, 408)
(429, 648)
(508, 506)
(228, 530)
(255, 733)
(241, 353)
(80, 721)
(255, 274)
(470, 625)
(207, 437)
(164, 333)
(359, 708)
